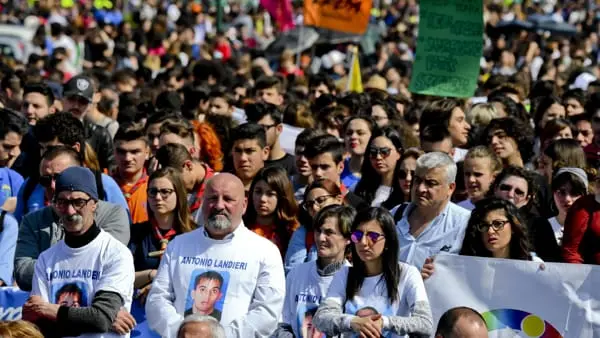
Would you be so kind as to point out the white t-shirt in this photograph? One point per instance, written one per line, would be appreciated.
(557, 228)
(459, 154)
(372, 297)
(288, 136)
(238, 280)
(381, 195)
(304, 290)
(104, 264)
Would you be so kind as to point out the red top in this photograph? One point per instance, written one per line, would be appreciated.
(270, 232)
(581, 239)
(199, 188)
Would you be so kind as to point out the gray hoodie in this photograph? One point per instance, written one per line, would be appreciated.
(39, 231)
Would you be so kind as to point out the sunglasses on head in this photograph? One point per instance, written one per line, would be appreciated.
(46, 180)
(403, 174)
(372, 236)
(384, 151)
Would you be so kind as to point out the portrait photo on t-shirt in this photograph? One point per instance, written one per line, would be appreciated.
(206, 293)
(305, 322)
(363, 308)
(71, 294)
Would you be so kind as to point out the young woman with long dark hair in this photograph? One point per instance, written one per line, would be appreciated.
(168, 215)
(495, 230)
(377, 182)
(272, 208)
(568, 185)
(378, 295)
(357, 132)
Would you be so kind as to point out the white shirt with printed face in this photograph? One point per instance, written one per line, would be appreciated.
(248, 269)
(72, 276)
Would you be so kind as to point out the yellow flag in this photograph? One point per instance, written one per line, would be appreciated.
(355, 80)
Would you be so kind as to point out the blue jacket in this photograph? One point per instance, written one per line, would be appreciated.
(112, 193)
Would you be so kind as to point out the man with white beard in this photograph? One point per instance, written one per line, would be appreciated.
(221, 266)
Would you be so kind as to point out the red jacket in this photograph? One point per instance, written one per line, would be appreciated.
(581, 238)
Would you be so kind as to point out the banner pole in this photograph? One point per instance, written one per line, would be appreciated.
(300, 38)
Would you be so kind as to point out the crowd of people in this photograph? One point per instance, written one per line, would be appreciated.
(147, 156)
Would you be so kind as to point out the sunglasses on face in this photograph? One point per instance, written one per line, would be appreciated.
(497, 225)
(164, 193)
(384, 151)
(46, 180)
(403, 174)
(372, 236)
(507, 188)
(77, 203)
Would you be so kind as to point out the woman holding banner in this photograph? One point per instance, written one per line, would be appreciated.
(495, 230)
(377, 296)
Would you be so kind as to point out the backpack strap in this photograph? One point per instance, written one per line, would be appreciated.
(30, 185)
(400, 212)
(2, 216)
(99, 185)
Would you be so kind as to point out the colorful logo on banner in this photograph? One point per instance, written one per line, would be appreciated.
(525, 322)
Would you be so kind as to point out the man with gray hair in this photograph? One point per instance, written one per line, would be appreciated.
(200, 326)
(245, 288)
(431, 224)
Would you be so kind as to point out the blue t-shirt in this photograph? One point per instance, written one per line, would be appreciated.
(348, 178)
(8, 244)
(10, 183)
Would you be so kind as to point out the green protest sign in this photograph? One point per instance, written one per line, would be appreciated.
(449, 48)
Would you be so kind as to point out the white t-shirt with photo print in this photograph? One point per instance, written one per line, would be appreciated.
(372, 298)
(238, 280)
(73, 276)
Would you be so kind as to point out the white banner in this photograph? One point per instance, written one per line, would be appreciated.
(518, 298)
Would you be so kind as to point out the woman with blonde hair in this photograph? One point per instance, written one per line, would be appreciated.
(481, 165)
(19, 329)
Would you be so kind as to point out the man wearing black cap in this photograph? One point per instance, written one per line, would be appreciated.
(98, 264)
(78, 100)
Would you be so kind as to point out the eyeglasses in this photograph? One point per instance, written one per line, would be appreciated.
(164, 193)
(372, 236)
(77, 203)
(46, 180)
(497, 225)
(307, 205)
(403, 174)
(507, 188)
(384, 151)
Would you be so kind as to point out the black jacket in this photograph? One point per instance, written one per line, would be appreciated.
(100, 140)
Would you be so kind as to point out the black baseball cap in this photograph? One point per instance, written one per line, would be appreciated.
(81, 86)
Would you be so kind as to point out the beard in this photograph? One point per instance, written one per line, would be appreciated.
(214, 222)
(71, 220)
